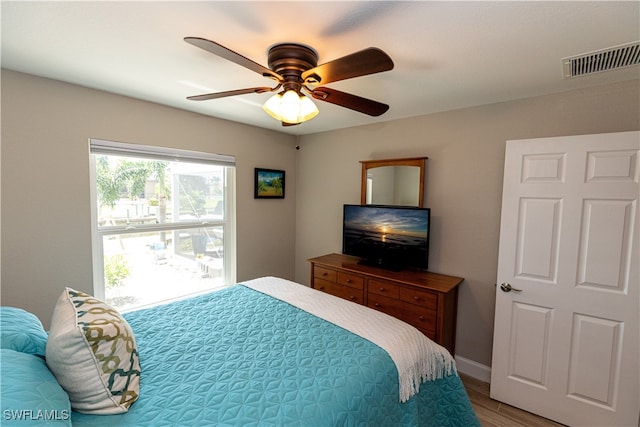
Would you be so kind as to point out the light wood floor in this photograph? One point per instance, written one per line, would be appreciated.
(493, 413)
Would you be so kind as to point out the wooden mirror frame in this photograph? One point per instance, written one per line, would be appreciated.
(410, 161)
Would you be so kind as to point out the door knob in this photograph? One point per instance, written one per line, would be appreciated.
(506, 287)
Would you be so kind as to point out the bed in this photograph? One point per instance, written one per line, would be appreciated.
(272, 352)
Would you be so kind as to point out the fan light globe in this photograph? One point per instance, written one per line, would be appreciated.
(272, 106)
(290, 107)
(308, 109)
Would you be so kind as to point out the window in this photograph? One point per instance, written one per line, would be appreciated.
(163, 223)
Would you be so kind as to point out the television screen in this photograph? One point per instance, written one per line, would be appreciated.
(390, 237)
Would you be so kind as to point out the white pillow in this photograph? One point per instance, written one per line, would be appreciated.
(93, 354)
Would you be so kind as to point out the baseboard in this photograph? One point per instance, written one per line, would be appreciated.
(473, 369)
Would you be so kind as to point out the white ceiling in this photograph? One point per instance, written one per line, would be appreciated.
(447, 55)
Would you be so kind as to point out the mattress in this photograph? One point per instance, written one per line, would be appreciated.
(240, 357)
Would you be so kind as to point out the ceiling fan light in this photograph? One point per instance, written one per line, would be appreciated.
(308, 109)
(272, 106)
(290, 107)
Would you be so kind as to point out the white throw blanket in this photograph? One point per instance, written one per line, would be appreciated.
(417, 358)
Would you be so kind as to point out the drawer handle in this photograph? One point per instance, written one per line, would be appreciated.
(382, 289)
(352, 298)
(348, 280)
(321, 288)
(416, 298)
(421, 317)
(377, 304)
(325, 274)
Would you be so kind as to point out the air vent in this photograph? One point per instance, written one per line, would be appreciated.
(613, 58)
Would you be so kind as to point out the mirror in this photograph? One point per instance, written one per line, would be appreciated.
(397, 182)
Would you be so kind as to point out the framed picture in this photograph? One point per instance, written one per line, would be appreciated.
(269, 184)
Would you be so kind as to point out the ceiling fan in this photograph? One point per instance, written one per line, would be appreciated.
(294, 67)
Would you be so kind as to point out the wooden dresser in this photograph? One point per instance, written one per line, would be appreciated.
(425, 300)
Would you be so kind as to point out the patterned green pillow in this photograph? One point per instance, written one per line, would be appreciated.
(93, 354)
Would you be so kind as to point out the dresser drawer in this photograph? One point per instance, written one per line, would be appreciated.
(421, 298)
(344, 292)
(325, 273)
(382, 287)
(420, 317)
(352, 280)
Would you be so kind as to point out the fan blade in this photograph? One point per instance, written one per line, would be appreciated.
(362, 63)
(217, 95)
(229, 55)
(347, 100)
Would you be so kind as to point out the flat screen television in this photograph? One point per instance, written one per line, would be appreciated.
(389, 237)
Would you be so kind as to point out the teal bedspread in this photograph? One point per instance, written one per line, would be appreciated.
(238, 357)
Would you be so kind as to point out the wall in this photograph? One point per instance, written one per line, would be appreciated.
(46, 230)
(46, 236)
(463, 183)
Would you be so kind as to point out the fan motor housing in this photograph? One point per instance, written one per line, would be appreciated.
(290, 60)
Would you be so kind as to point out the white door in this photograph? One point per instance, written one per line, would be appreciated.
(566, 338)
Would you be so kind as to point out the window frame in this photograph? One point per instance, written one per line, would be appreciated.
(114, 148)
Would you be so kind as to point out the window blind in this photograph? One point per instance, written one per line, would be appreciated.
(100, 146)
